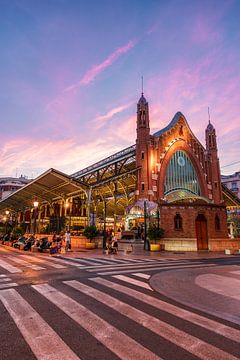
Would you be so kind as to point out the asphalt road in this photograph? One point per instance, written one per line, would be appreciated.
(88, 306)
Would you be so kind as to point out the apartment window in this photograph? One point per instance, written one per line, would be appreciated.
(142, 155)
(177, 222)
(142, 187)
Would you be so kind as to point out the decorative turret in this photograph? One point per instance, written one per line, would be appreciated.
(142, 114)
(213, 163)
(142, 151)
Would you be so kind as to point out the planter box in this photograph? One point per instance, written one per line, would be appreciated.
(155, 247)
(90, 245)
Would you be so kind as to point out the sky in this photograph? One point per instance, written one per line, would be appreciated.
(70, 77)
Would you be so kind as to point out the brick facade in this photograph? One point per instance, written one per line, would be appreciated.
(202, 215)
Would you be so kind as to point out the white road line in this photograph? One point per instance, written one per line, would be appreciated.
(61, 261)
(42, 339)
(5, 279)
(10, 268)
(226, 331)
(96, 261)
(222, 285)
(4, 286)
(133, 281)
(25, 263)
(178, 337)
(2, 275)
(141, 275)
(149, 268)
(48, 263)
(115, 340)
(235, 272)
(135, 265)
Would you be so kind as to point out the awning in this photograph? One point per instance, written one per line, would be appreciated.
(52, 185)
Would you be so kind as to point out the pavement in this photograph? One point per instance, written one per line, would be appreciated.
(214, 290)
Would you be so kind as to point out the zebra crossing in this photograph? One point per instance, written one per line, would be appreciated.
(101, 265)
(116, 317)
(6, 282)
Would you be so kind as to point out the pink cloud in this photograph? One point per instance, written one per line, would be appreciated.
(91, 74)
(101, 120)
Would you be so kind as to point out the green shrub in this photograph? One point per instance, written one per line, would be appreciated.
(155, 233)
(90, 232)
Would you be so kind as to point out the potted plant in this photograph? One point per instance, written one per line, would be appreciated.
(90, 232)
(155, 233)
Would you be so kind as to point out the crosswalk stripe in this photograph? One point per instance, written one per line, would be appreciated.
(4, 279)
(61, 261)
(148, 268)
(10, 268)
(133, 281)
(4, 286)
(236, 272)
(119, 343)
(48, 263)
(143, 276)
(196, 319)
(25, 263)
(131, 266)
(186, 341)
(2, 275)
(42, 339)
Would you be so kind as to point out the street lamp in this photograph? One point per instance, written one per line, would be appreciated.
(35, 204)
(67, 205)
(146, 242)
(6, 220)
(104, 224)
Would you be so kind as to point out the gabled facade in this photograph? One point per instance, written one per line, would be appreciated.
(183, 177)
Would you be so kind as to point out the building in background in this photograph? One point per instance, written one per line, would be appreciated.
(10, 184)
(232, 182)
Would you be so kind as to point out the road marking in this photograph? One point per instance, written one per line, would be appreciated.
(222, 285)
(135, 265)
(122, 345)
(10, 268)
(149, 268)
(61, 261)
(7, 285)
(42, 339)
(133, 281)
(196, 319)
(25, 263)
(141, 275)
(48, 263)
(4, 279)
(186, 341)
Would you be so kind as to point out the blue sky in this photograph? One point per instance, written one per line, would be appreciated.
(71, 77)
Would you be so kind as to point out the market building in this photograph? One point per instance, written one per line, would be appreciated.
(167, 177)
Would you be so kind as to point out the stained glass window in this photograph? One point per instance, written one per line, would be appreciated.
(181, 175)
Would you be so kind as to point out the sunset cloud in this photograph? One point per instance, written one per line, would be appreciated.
(91, 74)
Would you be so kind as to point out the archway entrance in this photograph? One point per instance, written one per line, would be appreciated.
(201, 232)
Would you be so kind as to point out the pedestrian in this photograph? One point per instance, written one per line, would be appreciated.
(68, 240)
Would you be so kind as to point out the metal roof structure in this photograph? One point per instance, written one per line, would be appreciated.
(48, 187)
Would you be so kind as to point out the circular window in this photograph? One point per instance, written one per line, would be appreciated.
(181, 161)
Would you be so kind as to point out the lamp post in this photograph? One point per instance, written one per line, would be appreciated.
(146, 242)
(6, 222)
(35, 204)
(67, 205)
(104, 225)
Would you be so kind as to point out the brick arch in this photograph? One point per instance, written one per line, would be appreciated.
(182, 145)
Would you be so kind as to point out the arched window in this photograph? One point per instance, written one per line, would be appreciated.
(217, 223)
(181, 175)
(177, 222)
